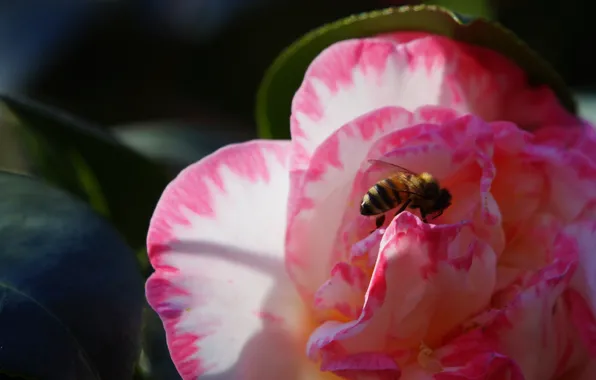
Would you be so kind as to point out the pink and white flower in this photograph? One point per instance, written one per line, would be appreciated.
(265, 269)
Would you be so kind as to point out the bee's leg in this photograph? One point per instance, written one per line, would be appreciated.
(423, 216)
(380, 220)
(402, 208)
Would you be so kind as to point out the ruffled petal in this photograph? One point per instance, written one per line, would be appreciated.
(216, 243)
(427, 280)
(569, 169)
(530, 323)
(354, 77)
(473, 356)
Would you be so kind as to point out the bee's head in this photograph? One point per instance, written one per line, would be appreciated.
(443, 201)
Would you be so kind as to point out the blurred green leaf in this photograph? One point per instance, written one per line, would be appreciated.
(90, 163)
(71, 295)
(285, 75)
(177, 144)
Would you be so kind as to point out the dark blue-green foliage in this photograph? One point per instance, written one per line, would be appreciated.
(71, 294)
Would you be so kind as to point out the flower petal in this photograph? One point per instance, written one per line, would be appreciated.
(403, 303)
(216, 243)
(354, 77)
(499, 346)
(535, 320)
(569, 167)
(580, 138)
(531, 245)
(528, 182)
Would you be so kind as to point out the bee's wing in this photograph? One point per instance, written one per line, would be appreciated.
(404, 177)
(400, 168)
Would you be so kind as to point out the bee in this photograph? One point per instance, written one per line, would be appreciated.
(417, 191)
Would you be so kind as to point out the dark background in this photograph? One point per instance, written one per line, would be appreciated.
(191, 68)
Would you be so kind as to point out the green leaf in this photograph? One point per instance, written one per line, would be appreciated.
(90, 163)
(284, 77)
(71, 295)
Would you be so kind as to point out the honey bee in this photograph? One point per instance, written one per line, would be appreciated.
(408, 189)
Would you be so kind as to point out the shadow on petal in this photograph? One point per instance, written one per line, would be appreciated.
(278, 348)
(228, 252)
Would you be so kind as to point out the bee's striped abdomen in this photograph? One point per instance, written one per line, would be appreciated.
(382, 197)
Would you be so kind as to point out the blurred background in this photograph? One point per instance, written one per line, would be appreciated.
(174, 80)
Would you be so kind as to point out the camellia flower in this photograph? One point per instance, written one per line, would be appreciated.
(266, 270)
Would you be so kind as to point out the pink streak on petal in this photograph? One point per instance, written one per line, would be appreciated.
(269, 317)
(435, 114)
(367, 249)
(220, 286)
(489, 366)
(378, 366)
(342, 293)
